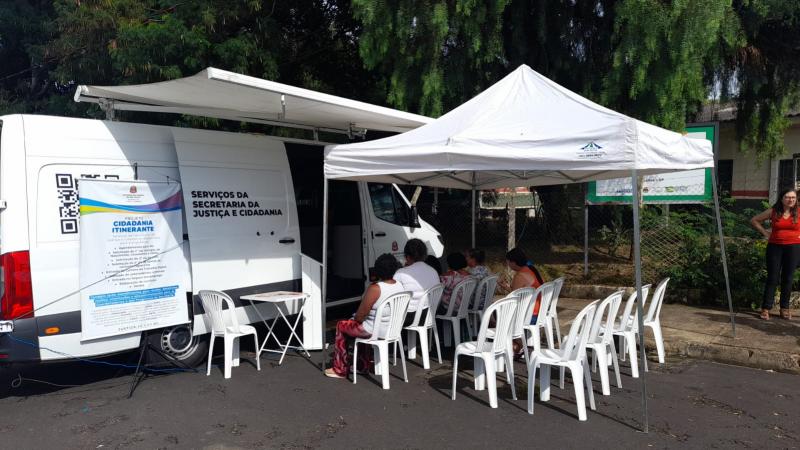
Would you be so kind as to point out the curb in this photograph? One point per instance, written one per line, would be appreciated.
(726, 354)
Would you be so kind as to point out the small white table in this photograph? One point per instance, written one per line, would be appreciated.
(275, 298)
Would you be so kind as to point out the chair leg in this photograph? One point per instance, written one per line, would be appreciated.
(403, 361)
(469, 328)
(423, 348)
(615, 363)
(455, 376)
(436, 339)
(480, 374)
(561, 381)
(491, 380)
(656, 326)
(525, 350)
(557, 326)
(229, 344)
(355, 359)
(445, 325)
(384, 352)
(531, 385)
(602, 359)
(395, 352)
(210, 354)
(258, 352)
(412, 344)
(631, 344)
(456, 332)
(577, 381)
(236, 359)
(589, 389)
(510, 375)
(544, 382)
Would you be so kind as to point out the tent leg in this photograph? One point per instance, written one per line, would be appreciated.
(585, 239)
(473, 210)
(324, 287)
(722, 250)
(637, 261)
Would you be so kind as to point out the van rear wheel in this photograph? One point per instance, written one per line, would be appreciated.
(180, 343)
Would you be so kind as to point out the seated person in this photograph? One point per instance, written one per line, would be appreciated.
(457, 273)
(525, 275)
(475, 263)
(416, 276)
(434, 262)
(364, 322)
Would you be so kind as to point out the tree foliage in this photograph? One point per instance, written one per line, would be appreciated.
(657, 60)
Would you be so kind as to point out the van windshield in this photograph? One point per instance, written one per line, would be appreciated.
(388, 205)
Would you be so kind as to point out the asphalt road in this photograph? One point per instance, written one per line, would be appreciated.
(691, 404)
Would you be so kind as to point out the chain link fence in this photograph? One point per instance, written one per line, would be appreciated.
(550, 224)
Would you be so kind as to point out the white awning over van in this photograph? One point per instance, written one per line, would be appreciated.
(226, 95)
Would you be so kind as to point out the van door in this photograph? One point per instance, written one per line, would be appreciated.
(240, 213)
(389, 219)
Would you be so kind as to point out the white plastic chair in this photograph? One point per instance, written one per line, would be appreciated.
(398, 307)
(486, 350)
(625, 328)
(601, 342)
(551, 321)
(454, 317)
(429, 302)
(652, 319)
(572, 356)
(531, 332)
(484, 293)
(212, 304)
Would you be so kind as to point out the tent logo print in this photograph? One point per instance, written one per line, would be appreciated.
(592, 150)
(591, 146)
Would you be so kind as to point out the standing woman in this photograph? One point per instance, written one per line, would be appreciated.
(783, 250)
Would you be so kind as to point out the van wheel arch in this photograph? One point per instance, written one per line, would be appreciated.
(181, 343)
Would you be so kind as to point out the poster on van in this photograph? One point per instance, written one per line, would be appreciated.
(132, 265)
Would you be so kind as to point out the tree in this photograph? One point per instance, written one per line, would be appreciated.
(655, 60)
(309, 43)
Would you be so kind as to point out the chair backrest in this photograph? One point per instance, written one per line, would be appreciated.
(397, 304)
(522, 316)
(212, 304)
(429, 301)
(604, 318)
(463, 290)
(551, 310)
(484, 293)
(628, 314)
(578, 335)
(503, 313)
(654, 308)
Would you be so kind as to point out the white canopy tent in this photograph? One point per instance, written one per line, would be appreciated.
(526, 131)
(227, 95)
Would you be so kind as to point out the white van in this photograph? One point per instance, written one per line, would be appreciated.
(43, 158)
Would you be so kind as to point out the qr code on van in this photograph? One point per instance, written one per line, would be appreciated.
(68, 205)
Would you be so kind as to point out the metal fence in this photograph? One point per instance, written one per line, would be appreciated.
(553, 224)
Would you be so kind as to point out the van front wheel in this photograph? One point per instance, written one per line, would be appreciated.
(180, 343)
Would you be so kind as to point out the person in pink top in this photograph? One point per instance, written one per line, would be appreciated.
(783, 250)
(458, 272)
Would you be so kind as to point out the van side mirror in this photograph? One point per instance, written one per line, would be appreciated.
(414, 219)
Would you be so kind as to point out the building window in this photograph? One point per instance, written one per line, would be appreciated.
(725, 177)
(785, 174)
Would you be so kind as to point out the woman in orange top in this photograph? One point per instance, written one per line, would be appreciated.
(783, 250)
(526, 275)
